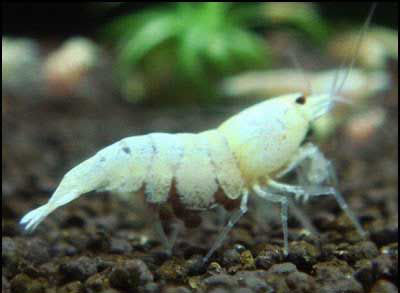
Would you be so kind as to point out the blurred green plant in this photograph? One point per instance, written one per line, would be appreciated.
(301, 15)
(189, 47)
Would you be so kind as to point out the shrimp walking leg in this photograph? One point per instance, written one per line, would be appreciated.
(234, 218)
(313, 171)
(284, 212)
(168, 242)
(306, 151)
(316, 190)
(302, 217)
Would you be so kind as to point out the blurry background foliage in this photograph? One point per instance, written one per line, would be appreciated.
(181, 51)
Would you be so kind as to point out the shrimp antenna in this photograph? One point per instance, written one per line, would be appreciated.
(300, 69)
(356, 50)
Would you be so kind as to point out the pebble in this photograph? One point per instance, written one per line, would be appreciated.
(76, 238)
(299, 282)
(120, 246)
(195, 265)
(231, 257)
(278, 283)
(103, 264)
(98, 242)
(36, 251)
(96, 283)
(151, 287)
(173, 269)
(332, 270)
(363, 250)
(78, 269)
(384, 286)
(214, 268)
(336, 276)
(239, 247)
(130, 275)
(303, 254)
(254, 280)
(268, 255)
(283, 268)
(247, 260)
(343, 285)
(63, 249)
(22, 283)
(220, 280)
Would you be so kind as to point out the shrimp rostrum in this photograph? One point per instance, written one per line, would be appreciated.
(247, 154)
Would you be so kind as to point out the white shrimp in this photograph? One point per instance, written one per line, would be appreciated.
(244, 155)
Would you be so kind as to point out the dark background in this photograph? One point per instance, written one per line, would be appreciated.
(66, 19)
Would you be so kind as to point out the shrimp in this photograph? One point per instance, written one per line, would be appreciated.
(247, 154)
(244, 155)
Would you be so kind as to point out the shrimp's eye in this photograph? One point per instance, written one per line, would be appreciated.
(301, 100)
